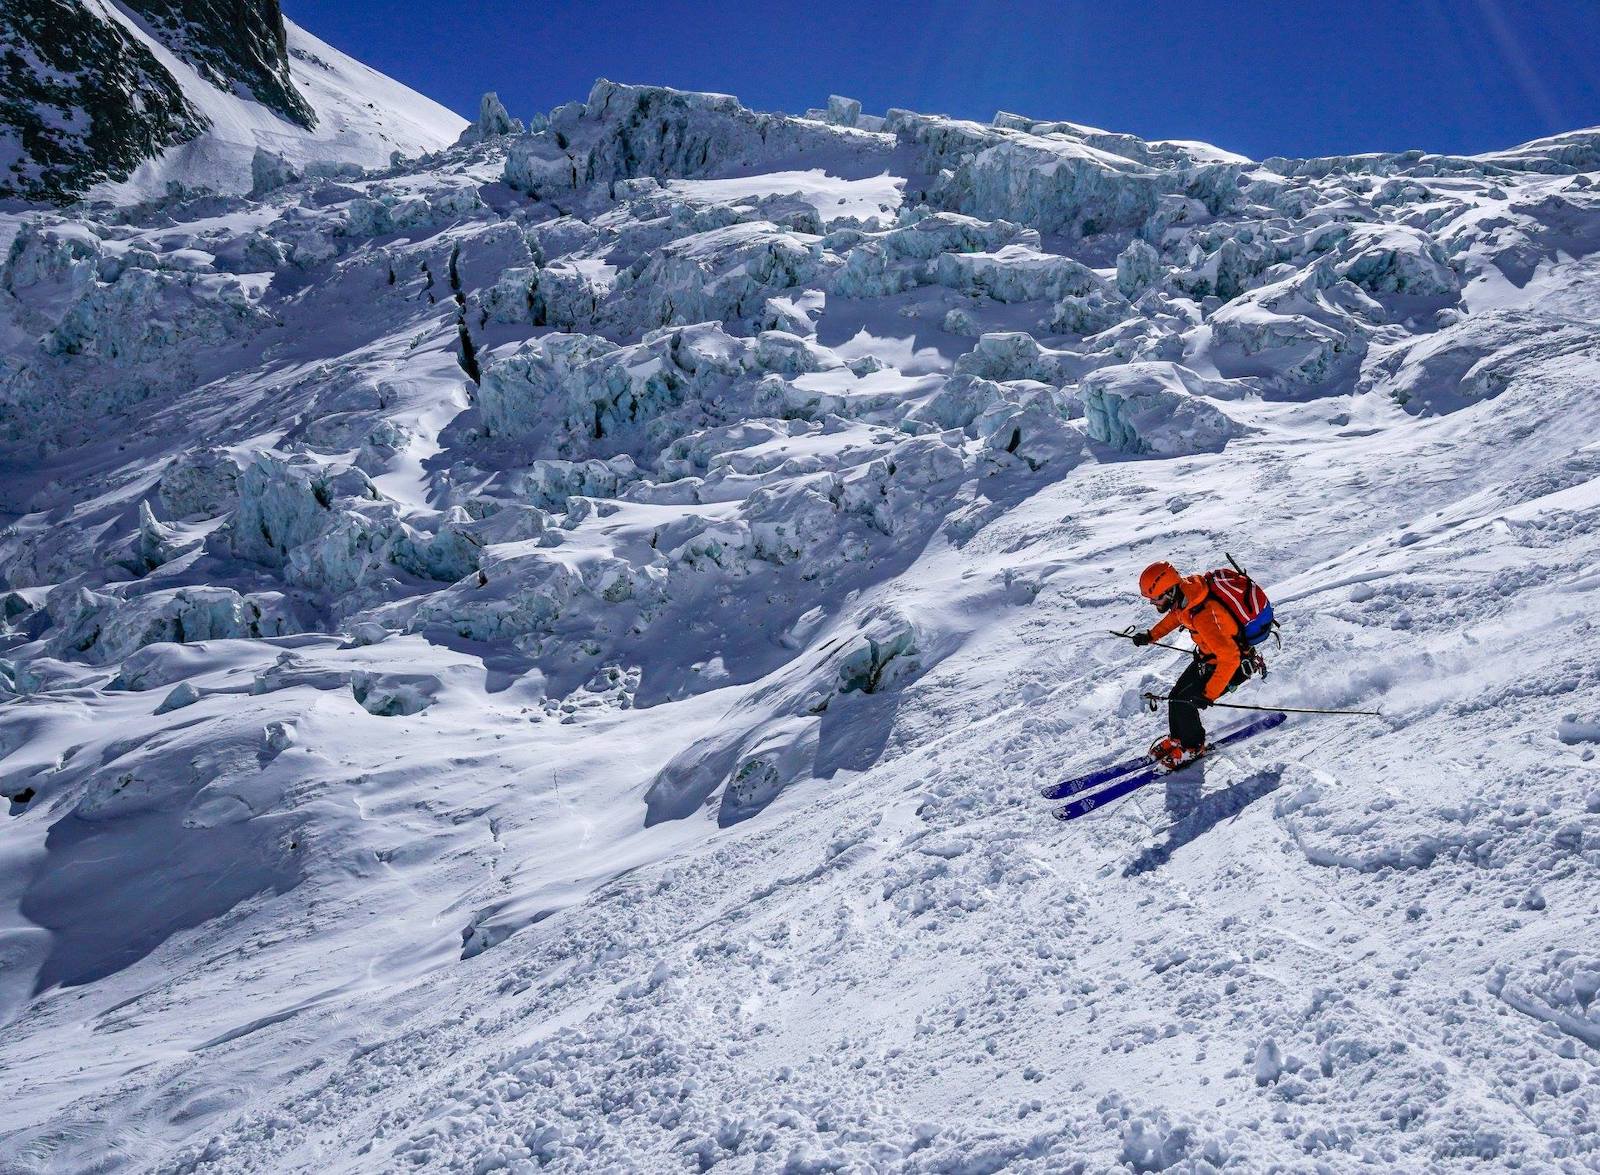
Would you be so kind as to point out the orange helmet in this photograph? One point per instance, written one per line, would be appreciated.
(1157, 580)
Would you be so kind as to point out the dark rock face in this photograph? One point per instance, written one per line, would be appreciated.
(237, 45)
(80, 101)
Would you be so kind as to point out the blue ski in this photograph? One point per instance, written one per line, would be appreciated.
(1086, 804)
(1078, 783)
(1081, 783)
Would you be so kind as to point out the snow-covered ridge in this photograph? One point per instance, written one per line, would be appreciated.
(123, 101)
(362, 119)
(542, 656)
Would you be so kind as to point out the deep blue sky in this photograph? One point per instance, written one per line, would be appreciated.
(1290, 78)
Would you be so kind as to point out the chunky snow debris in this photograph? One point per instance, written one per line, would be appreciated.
(1018, 355)
(723, 274)
(1158, 408)
(102, 629)
(1397, 259)
(1303, 332)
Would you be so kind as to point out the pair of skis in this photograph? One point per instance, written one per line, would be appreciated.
(1132, 774)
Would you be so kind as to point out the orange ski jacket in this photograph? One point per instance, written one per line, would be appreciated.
(1213, 628)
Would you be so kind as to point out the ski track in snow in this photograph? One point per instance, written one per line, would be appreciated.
(630, 760)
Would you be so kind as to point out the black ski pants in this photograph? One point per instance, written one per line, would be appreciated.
(1183, 702)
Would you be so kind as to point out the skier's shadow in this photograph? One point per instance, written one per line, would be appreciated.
(1195, 814)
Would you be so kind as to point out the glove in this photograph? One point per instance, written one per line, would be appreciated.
(1201, 702)
(1140, 638)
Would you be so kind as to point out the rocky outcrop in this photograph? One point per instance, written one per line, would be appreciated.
(81, 100)
(234, 45)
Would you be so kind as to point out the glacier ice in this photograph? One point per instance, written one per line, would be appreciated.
(103, 629)
(1157, 408)
(1010, 355)
(493, 120)
(580, 395)
(1016, 273)
(718, 275)
(1138, 268)
(1308, 329)
(1033, 433)
(625, 131)
(200, 483)
(1397, 259)
(270, 171)
(839, 111)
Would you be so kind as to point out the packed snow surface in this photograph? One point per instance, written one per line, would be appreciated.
(544, 657)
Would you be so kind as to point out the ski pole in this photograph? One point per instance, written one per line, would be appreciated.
(1152, 699)
(1128, 636)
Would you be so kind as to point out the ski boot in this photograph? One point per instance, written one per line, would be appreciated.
(1172, 754)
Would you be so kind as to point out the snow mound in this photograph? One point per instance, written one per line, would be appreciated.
(1474, 358)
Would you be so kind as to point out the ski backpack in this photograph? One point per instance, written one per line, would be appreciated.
(1244, 600)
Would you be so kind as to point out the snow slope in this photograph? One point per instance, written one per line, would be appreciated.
(362, 118)
(546, 659)
(117, 101)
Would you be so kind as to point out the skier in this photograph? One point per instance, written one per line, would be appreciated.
(1225, 657)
